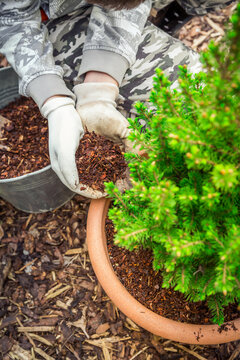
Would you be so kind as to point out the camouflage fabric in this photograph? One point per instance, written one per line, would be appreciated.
(157, 49)
(25, 42)
(63, 46)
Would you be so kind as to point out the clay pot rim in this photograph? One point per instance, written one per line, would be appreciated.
(147, 319)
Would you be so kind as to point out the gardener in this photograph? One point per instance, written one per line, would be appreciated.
(82, 52)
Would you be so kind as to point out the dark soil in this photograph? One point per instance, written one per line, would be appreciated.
(25, 150)
(134, 269)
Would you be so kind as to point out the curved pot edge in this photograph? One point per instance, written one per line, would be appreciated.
(156, 324)
(21, 177)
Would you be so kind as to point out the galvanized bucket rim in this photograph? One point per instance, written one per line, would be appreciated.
(4, 68)
(25, 175)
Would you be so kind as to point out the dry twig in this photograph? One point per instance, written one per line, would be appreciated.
(196, 355)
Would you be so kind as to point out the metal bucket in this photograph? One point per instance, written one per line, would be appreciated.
(36, 192)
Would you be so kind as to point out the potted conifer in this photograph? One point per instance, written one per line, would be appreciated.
(184, 202)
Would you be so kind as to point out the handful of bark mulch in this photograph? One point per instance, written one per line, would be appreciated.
(25, 148)
(99, 160)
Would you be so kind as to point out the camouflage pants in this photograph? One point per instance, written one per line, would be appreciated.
(157, 49)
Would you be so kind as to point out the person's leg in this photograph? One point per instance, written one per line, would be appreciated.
(157, 50)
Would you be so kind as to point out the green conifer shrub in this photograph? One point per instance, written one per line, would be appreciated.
(185, 199)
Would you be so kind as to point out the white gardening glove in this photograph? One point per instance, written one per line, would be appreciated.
(65, 132)
(96, 105)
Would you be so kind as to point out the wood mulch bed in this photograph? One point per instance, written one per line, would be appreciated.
(51, 305)
(200, 30)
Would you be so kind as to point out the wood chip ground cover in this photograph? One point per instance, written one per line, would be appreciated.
(51, 305)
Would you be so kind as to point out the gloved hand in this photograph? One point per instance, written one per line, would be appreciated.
(96, 105)
(65, 132)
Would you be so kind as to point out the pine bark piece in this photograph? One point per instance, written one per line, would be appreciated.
(5, 268)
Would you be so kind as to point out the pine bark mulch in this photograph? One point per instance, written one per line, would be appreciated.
(24, 140)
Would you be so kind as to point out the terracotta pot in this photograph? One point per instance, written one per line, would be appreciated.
(156, 324)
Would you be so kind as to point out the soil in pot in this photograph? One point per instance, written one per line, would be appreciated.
(134, 270)
(26, 148)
